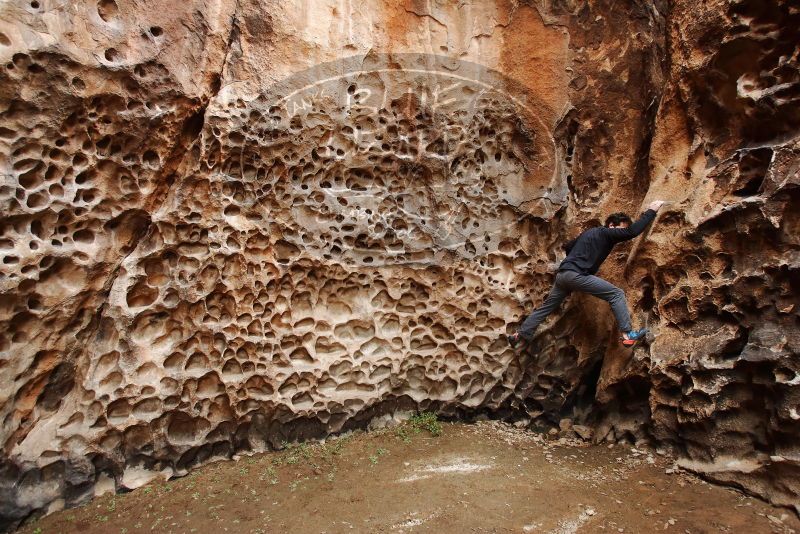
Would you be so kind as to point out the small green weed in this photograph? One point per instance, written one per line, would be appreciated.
(426, 421)
(271, 475)
(304, 450)
(338, 445)
(378, 453)
(402, 433)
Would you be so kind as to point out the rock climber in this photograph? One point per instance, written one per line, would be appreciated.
(585, 254)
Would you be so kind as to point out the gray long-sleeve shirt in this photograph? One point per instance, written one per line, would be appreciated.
(587, 252)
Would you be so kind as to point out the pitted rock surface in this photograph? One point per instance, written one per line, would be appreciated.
(231, 225)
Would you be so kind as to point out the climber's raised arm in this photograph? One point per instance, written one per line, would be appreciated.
(623, 234)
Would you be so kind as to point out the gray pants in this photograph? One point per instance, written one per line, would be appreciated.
(569, 281)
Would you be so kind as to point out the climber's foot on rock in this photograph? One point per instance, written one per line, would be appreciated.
(515, 340)
(630, 338)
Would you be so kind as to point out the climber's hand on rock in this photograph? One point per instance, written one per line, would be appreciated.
(655, 205)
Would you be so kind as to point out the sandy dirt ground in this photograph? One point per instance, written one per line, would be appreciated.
(487, 477)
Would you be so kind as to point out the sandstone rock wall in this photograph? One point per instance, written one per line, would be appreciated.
(230, 225)
(718, 276)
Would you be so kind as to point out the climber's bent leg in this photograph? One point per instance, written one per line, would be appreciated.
(609, 292)
(551, 303)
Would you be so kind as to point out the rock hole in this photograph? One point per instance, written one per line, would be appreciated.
(784, 375)
(151, 159)
(733, 348)
(112, 55)
(107, 9)
(83, 236)
(753, 168)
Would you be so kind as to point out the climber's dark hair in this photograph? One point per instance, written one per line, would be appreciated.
(617, 218)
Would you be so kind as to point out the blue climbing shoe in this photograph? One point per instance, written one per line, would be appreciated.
(629, 339)
(515, 340)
